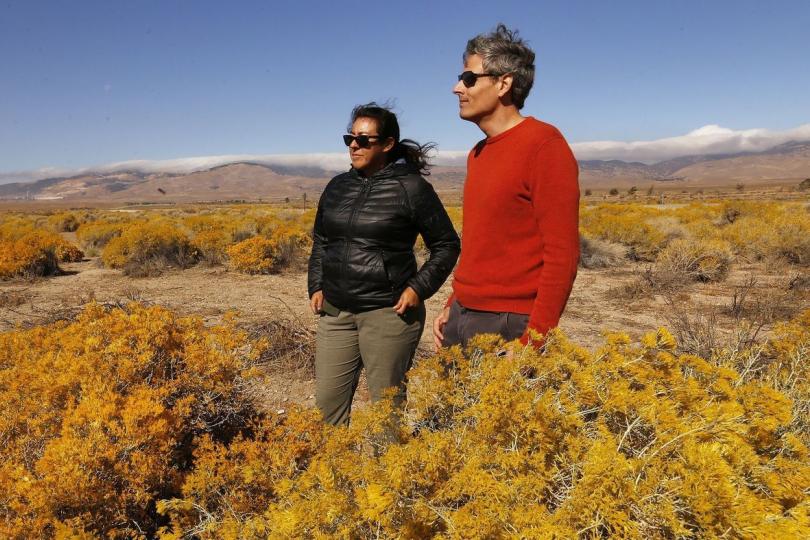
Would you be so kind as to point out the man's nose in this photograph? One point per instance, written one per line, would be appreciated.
(458, 88)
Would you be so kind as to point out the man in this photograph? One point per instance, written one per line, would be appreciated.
(520, 244)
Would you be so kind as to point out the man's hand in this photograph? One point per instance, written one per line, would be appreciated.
(438, 327)
(407, 299)
(316, 302)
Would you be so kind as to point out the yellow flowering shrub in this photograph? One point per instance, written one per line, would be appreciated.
(624, 224)
(68, 252)
(97, 234)
(212, 245)
(29, 250)
(211, 233)
(135, 423)
(498, 440)
(768, 231)
(236, 480)
(215, 233)
(696, 260)
(146, 241)
(753, 230)
(148, 248)
(64, 222)
(294, 244)
(206, 222)
(786, 366)
(256, 255)
(100, 417)
(29, 256)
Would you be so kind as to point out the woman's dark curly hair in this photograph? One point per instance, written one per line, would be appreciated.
(388, 126)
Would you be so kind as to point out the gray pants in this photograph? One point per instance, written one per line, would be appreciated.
(379, 340)
(463, 324)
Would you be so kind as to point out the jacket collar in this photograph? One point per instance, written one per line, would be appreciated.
(397, 168)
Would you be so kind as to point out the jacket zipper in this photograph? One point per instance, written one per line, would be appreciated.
(352, 218)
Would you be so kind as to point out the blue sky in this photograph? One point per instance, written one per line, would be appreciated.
(91, 82)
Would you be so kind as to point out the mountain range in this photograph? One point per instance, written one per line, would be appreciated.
(244, 180)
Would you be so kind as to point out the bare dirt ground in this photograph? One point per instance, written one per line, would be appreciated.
(604, 299)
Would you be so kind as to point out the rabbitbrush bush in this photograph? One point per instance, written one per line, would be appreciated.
(137, 423)
(29, 256)
(147, 248)
(630, 441)
(147, 242)
(257, 255)
(754, 230)
(280, 244)
(97, 234)
(64, 222)
(99, 417)
(31, 253)
(624, 224)
(212, 236)
(695, 260)
(27, 250)
(762, 230)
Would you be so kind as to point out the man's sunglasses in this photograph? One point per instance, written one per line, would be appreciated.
(468, 78)
(363, 141)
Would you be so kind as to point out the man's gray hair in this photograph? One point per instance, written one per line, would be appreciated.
(504, 52)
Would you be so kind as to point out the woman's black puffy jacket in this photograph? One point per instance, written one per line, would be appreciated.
(365, 229)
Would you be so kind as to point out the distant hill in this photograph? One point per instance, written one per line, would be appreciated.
(787, 161)
(252, 181)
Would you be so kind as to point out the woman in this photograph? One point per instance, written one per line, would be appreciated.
(363, 279)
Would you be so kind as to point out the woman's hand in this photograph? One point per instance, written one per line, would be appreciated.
(407, 299)
(316, 302)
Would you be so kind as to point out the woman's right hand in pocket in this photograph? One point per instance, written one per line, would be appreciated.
(316, 302)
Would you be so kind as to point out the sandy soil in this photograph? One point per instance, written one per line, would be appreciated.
(211, 292)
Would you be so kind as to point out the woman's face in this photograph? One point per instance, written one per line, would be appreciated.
(372, 158)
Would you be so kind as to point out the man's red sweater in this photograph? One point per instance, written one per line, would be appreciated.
(520, 244)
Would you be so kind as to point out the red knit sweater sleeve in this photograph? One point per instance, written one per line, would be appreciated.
(555, 200)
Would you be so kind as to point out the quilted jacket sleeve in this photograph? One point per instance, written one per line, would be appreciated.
(439, 235)
(315, 272)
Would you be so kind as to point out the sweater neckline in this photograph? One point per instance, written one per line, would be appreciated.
(509, 131)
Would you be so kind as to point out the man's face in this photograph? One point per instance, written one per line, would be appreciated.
(480, 100)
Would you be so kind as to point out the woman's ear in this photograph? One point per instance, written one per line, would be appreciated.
(389, 144)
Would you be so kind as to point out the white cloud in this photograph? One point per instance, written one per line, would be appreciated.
(711, 139)
(329, 162)
(325, 161)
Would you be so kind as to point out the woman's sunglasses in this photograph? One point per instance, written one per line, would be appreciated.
(363, 141)
(468, 78)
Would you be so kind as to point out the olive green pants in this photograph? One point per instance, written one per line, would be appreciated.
(379, 340)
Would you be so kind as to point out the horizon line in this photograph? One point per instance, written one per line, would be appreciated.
(707, 140)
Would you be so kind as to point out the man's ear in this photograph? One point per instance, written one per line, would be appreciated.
(505, 84)
(389, 144)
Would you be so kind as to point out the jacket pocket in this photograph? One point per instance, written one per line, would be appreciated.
(400, 266)
(387, 267)
(386, 264)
